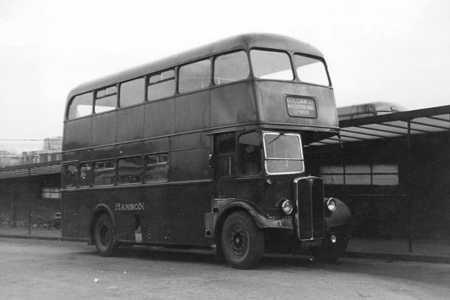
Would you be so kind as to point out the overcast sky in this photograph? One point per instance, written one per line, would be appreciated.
(396, 51)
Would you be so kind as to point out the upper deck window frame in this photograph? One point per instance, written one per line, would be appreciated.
(68, 118)
(119, 92)
(211, 71)
(330, 84)
(96, 97)
(161, 81)
(216, 56)
(291, 63)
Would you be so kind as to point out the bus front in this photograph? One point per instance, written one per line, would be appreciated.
(296, 107)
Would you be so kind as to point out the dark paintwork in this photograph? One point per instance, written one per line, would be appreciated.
(183, 126)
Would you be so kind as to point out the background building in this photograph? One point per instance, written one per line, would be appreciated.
(9, 159)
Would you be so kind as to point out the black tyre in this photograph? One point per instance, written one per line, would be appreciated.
(241, 241)
(104, 236)
(331, 252)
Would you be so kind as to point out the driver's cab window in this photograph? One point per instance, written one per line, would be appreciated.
(224, 151)
(249, 149)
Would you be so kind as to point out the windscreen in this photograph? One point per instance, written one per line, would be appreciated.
(311, 70)
(283, 153)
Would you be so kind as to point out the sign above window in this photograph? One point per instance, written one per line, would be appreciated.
(304, 107)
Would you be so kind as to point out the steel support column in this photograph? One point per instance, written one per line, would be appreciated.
(409, 186)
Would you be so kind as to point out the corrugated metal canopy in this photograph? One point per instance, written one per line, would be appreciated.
(31, 170)
(394, 125)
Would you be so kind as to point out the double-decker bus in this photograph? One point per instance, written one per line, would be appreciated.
(205, 149)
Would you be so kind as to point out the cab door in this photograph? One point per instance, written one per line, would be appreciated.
(224, 164)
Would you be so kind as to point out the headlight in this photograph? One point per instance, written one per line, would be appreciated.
(331, 204)
(287, 207)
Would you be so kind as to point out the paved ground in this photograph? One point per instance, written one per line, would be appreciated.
(438, 249)
(6, 230)
(33, 269)
(435, 248)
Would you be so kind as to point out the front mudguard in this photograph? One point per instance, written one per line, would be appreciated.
(221, 208)
(340, 218)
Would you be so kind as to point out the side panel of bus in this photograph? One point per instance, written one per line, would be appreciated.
(172, 212)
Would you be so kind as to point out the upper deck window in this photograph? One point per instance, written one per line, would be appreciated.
(271, 65)
(106, 99)
(195, 76)
(231, 67)
(161, 85)
(311, 70)
(132, 92)
(80, 106)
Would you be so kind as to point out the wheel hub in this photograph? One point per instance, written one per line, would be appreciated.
(105, 235)
(238, 241)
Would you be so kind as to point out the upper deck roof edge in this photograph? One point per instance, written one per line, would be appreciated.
(244, 41)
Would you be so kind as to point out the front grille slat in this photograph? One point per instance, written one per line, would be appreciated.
(310, 216)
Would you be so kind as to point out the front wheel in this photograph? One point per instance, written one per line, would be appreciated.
(104, 237)
(242, 241)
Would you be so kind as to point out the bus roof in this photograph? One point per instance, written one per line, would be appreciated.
(244, 41)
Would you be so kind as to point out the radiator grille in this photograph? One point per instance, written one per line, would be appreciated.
(310, 216)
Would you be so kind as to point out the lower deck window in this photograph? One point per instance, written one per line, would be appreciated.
(104, 172)
(85, 174)
(129, 170)
(70, 174)
(156, 167)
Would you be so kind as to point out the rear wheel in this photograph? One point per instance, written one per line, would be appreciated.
(242, 241)
(104, 235)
